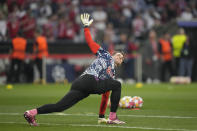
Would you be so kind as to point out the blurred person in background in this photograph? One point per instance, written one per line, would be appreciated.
(186, 60)
(193, 6)
(113, 11)
(110, 32)
(17, 58)
(165, 49)
(100, 17)
(11, 4)
(151, 58)
(41, 52)
(186, 14)
(4, 7)
(62, 28)
(3, 27)
(48, 29)
(171, 10)
(45, 9)
(121, 45)
(131, 50)
(70, 31)
(152, 18)
(107, 44)
(123, 24)
(28, 25)
(138, 26)
(178, 40)
(13, 25)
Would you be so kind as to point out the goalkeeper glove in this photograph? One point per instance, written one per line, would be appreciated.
(85, 20)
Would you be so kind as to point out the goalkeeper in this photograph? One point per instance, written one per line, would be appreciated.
(98, 78)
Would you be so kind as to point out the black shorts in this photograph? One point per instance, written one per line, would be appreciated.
(91, 85)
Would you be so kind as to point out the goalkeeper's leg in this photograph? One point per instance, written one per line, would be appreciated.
(115, 87)
(115, 97)
(103, 107)
(71, 98)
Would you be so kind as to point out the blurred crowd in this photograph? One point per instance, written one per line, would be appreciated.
(119, 24)
(59, 19)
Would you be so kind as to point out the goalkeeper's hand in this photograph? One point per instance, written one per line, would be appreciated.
(85, 20)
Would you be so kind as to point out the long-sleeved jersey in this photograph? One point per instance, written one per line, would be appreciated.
(103, 66)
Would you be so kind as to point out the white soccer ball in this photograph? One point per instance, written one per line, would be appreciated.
(126, 102)
(138, 102)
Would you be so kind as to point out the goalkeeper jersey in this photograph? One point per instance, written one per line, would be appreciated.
(103, 66)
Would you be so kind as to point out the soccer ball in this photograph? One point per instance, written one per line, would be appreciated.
(138, 102)
(126, 102)
(129, 102)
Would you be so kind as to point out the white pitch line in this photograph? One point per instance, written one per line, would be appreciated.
(130, 127)
(102, 126)
(143, 116)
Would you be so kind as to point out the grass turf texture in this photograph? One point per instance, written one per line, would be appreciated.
(166, 107)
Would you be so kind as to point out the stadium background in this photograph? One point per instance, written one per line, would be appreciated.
(119, 25)
(122, 25)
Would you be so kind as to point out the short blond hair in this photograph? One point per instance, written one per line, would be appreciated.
(121, 52)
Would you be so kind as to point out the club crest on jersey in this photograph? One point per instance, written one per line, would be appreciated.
(109, 72)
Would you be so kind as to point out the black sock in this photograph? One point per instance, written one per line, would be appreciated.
(101, 116)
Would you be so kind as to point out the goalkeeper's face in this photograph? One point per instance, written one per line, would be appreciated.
(118, 58)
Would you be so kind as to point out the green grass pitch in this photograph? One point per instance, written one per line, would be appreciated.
(167, 107)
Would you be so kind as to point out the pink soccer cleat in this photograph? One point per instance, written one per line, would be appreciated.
(30, 119)
(115, 121)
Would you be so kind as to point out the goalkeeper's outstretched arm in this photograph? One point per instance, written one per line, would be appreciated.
(86, 23)
(93, 45)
